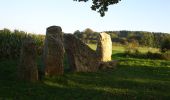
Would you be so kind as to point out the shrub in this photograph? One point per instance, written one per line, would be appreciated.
(132, 53)
(165, 46)
(151, 55)
(148, 55)
(166, 55)
(132, 49)
(10, 43)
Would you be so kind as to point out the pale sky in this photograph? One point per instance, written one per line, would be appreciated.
(36, 15)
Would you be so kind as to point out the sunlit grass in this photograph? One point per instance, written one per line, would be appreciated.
(146, 49)
(122, 48)
(132, 79)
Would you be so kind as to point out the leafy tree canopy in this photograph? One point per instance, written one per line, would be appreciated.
(101, 6)
(88, 31)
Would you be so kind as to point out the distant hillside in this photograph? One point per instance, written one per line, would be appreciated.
(152, 39)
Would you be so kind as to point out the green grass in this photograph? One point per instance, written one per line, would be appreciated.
(132, 79)
(146, 49)
(121, 48)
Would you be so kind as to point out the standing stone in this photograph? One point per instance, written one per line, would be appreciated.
(104, 47)
(54, 51)
(81, 58)
(27, 69)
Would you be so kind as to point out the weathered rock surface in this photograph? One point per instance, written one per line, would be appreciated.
(104, 47)
(81, 58)
(54, 51)
(27, 69)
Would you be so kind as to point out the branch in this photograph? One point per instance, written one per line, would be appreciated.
(101, 6)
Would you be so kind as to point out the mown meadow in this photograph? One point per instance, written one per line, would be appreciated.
(133, 78)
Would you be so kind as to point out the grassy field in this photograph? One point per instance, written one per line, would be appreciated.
(142, 79)
(121, 48)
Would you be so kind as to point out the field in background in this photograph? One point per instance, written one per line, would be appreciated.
(121, 48)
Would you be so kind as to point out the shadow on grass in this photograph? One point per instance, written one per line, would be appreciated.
(133, 79)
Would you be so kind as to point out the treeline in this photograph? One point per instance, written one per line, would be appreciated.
(151, 39)
(11, 41)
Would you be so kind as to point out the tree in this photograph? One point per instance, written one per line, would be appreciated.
(101, 6)
(88, 31)
(165, 46)
(147, 39)
(77, 33)
(86, 34)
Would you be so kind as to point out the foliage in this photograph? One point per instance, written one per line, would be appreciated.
(87, 36)
(165, 46)
(151, 55)
(148, 55)
(10, 42)
(77, 33)
(141, 38)
(133, 53)
(131, 49)
(166, 55)
(101, 6)
(147, 39)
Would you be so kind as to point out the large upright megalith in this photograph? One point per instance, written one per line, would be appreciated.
(81, 58)
(104, 47)
(27, 69)
(54, 51)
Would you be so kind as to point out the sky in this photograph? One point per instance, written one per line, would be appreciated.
(35, 16)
